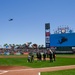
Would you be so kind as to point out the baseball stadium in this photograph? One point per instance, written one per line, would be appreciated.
(25, 60)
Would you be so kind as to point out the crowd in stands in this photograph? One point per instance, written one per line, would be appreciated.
(21, 51)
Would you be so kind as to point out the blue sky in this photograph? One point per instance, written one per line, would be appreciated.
(29, 18)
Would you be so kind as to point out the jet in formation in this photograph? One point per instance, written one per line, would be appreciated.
(11, 19)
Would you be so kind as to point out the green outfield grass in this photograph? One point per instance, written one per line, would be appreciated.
(17, 61)
(65, 55)
(24, 56)
(63, 72)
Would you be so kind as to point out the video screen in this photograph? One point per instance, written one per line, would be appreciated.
(65, 39)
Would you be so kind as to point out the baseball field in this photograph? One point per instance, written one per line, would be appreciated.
(17, 65)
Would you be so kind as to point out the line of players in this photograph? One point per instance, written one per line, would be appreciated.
(50, 54)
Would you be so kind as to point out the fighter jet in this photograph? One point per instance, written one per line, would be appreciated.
(11, 19)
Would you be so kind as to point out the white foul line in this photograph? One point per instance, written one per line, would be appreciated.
(39, 73)
(2, 72)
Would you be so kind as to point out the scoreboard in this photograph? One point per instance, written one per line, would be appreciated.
(64, 39)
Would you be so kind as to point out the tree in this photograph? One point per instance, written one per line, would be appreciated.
(28, 44)
(5, 45)
(42, 45)
(34, 46)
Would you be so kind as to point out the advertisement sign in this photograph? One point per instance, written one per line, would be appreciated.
(47, 26)
(47, 45)
(47, 33)
(47, 39)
